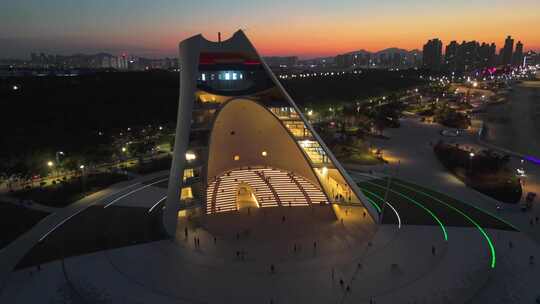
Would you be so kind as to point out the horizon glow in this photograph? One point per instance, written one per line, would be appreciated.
(304, 28)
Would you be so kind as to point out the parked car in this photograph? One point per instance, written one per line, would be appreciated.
(528, 203)
(450, 133)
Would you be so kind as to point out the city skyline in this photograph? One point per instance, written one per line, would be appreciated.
(313, 29)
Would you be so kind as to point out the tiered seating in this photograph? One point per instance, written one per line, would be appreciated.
(288, 191)
(316, 196)
(272, 187)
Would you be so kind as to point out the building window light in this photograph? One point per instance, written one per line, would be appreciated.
(240, 74)
(203, 77)
(233, 76)
(264, 153)
(236, 157)
(186, 193)
(188, 173)
(227, 76)
(190, 156)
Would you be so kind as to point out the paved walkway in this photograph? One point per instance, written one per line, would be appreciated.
(396, 265)
(33, 205)
(14, 252)
(410, 144)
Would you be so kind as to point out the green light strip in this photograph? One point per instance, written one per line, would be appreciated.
(486, 236)
(445, 234)
(382, 200)
(373, 202)
(475, 207)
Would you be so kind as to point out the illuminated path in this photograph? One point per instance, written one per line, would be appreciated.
(14, 253)
(407, 191)
(162, 271)
(435, 217)
(381, 199)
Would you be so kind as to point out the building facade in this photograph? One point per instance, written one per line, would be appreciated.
(432, 54)
(242, 142)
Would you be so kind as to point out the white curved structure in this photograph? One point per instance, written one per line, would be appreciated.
(237, 127)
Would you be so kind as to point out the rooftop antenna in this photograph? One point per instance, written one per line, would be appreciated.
(219, 36)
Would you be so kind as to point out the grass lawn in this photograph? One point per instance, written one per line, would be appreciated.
(355, 155)
(412, 195)
(16, 220)
(97, 229)
(63, 194)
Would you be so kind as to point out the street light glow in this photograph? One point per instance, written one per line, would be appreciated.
(50, 164)
(471, 154)
(190, 156)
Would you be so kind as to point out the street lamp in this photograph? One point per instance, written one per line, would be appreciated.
(50, 164)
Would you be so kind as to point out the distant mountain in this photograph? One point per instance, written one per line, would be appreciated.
(388, 52)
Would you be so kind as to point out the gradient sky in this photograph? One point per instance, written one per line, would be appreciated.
(305, 28)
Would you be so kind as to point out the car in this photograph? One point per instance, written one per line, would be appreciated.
(450, 133)
(528, 203)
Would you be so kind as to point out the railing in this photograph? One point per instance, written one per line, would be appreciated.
(269, 186)
(308, 199)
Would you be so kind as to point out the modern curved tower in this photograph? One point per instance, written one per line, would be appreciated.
(242, 141)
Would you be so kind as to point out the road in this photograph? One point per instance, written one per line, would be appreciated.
(515, 125)
(410, 145)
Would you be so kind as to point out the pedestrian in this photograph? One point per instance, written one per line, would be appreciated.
(315, 245)
(433, 250)
(348, 288)
(341, 282)
(283, 219)
(215, 240)
(364, 214)
(237, 254)
(371, 300)
(294, 248)
(186, 232)
(359, 266)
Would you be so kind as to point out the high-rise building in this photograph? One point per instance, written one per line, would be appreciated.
(531, 58)
(518, 54)
(507, 51)
(486, 53)
(432, 54)
(450, 55)
(241, 141)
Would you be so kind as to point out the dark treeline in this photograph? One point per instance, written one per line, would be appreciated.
(349, 87)
(68, 112)
(51, 113)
